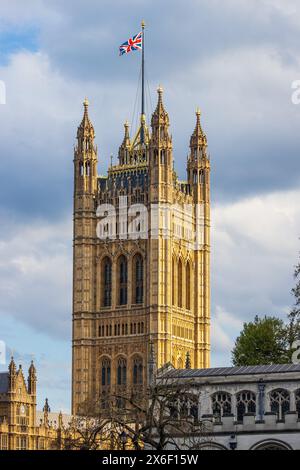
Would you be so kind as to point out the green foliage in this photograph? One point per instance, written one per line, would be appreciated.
(263, 341)
(294, 316)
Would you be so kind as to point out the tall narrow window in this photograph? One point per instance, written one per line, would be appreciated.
(173, 281)
(221, 405)
(107, 282)
(188, 286)
(179, 283)
(138, 265)
(122, 372)
(297, 399)
(123, 276)
(280, 402)
(105, 381)
(245, 403)
(105, 372)
(137, 371)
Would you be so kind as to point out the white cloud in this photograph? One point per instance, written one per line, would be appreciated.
(255, 246)
(36, 277)
(223, 328)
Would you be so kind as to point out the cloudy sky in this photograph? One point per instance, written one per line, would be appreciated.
(236, 59)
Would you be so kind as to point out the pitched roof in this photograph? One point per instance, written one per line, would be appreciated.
(3, 382)
(225, 371)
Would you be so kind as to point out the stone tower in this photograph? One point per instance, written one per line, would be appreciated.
(141, 286)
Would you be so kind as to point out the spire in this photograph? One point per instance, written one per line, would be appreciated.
(125, 146)
(60, 420)
(160, 123)
(12, 374)
(32, 370)
(12, 367)
(126, 140)
(86, 129)
(46, 411)
(198, 138)
(46, 408)
(32, 378)
(188, 361)
(160, 116)
(85, 155)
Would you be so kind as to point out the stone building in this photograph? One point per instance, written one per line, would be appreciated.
(141, 268)
(21, 426)
(244, 408)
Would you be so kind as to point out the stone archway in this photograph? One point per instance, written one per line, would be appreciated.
(271, 444)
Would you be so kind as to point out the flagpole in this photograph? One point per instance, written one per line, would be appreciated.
(143, 84)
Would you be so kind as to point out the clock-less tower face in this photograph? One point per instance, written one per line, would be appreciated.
(143, 298)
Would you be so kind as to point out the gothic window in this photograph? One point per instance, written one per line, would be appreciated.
(221, 405)
(280, 402)
(137, 371)
(201, 176)
(107, 281)
(195, 177)
(122, 275)
(105, 372)
(122, 372)
(179, 284)
(271, 445)
(297, 399)
(246, 403)
(138, 265)
(81, 169)
(188, 286)
(87, 168)
(173, 281)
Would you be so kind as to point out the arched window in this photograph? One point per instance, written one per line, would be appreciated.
(123, 276)
(195, 177)
(137, 371)
(221, 405)
(173, 281)
(245, 403)
(188, 406)
(280, 402)
(107, 282)
(105, 372)
(138, 267)
(179, 283)
(297, 399)
(122, 372)
(271, 444)
(188, 286)
(87, 169)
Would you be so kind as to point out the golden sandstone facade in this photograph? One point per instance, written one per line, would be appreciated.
(141, 285)
(21, 426)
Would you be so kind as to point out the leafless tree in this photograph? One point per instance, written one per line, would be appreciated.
(163, 417)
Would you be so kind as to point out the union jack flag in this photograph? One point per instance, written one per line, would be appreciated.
(133, 44)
